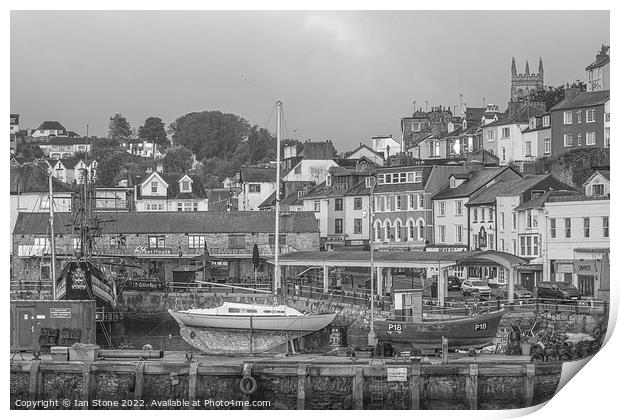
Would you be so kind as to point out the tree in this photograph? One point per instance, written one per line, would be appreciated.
(110, 168)
(552, 96)
(178, 159)
(29, 151)
(119, 129)
(262, 145)
(154, 131)
(210, 133)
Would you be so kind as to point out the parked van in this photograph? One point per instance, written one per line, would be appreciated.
(556, 290)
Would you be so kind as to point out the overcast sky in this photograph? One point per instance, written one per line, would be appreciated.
(344, 76)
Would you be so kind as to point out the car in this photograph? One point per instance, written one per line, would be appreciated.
(454, 283)
(552, 290)
(478, 287)
(520, 292)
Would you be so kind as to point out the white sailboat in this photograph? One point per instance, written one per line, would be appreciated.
(250, 328)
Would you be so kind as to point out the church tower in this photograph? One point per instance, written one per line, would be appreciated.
(523, 84)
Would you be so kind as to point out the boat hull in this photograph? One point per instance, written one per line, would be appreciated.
(465, 332)
(221, 334)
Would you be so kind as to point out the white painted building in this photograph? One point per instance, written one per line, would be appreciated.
(257, 184)
(310, 170)
(385, 145)
(163, 192)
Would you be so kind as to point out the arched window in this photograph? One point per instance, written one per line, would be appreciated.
(411, 231)
(387, 226)
(421, 230)
(397, 232)
(378, 231)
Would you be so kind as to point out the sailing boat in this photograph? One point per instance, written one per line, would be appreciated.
(250, 328)
(82, 278)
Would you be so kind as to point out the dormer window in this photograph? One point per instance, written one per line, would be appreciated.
(452, 182)
(464, 124)
(532, 123)
(328, 181)
(185, 186)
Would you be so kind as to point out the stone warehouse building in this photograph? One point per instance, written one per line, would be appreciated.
(164, 241)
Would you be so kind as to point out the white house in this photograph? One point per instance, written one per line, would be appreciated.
(310, 170)
(65, 147)
(368, 153)
(598, 183)
(50, 128)
(386, 146)
(165, 192)
(257, 184)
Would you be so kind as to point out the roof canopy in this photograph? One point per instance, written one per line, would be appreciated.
(405, 259)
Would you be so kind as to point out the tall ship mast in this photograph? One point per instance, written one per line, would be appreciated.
(81, 277)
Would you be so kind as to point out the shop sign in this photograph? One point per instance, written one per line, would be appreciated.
(397, 374)
(143, 250)
(586, 267)
(432, 248)
(145, 285)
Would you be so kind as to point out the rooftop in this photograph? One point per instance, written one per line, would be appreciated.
(33, 179)
(477, 180)
(583, 100)
(505, 189)
(51, 125)
(539, 201)
(177, 222)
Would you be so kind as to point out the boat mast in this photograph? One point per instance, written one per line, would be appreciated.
(371, 213)
(276, 268)
(52, 238)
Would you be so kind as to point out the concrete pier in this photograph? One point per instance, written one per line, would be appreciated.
(297, 382)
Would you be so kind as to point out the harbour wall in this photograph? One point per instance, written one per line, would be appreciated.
(287, 385)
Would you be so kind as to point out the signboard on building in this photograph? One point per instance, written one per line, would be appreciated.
(397, 374)
(438, 248)
(145, 285)
(60, 313)
(143, 250)
(586, 267)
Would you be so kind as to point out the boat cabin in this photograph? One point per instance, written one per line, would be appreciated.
(408, 304)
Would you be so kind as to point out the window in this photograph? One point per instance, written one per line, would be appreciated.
(357, 203)
(475, 244)
(547, 145)
(501, 222)
(522, 243)
(586, 227)
(606, 139)
(442, 234)
(415, 126)
(388, 231)
(369, 182)
(328, 180)
(535, 247)
(413, 201)
(590, 113)
(475, 215)
(382, 203)
(357, 226)
(502, 246)
(254, 188)
(153, 186)
(490, 241)
(578, 117)
(338, 227)
(459, 234)
(505, 132)
(298, 169)
(157, 241)
(185, 185)
(281, 239)
(605, 227)
(77, 244)
(421, 230)
(421, 201)
(590, 138)
(399, 202)
(458, 207)
(528, 148)
(397, 231)
(514, 221)
(482, 211)
(196, 241)
(598, 189)
(411, 230)
(532, 218)
(491, 215)
(338, 204)
(503, 153)
(579, 137)
(552, 228)
(546, 121)
(568, 140)
(442, 208)
(195, 207)
(236, 241)
(491, 135)
(317, 205)
(568, 117)
(567, 228)
(179, 206)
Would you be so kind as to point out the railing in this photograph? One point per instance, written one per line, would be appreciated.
(360, 297)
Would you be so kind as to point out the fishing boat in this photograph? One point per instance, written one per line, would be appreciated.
(411, 329)
(246, 328)
(238, 328)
